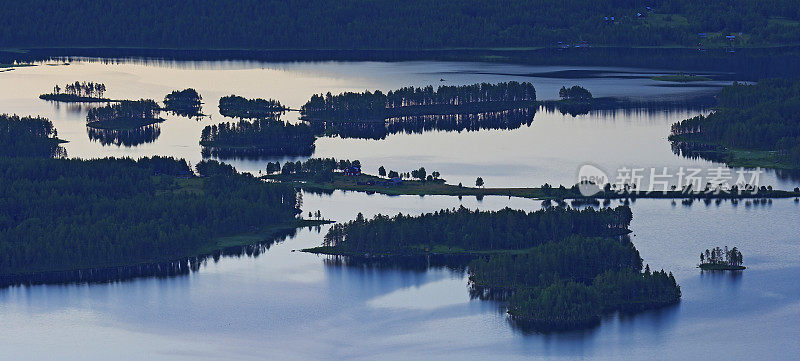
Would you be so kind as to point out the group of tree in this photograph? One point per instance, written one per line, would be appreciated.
(384, 24)
(77, 91)
(75, 214)
(124, 115)
(258, 137)
(317, 169)
(67, 214)
(29, 137)
(185, 102)
(568, 284)
(558, 268)
(764, 116)
(473, 230)
(575, 93)
(236, 106)
(350, 105)
(718, 256)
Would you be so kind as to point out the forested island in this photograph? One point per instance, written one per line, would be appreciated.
(558, 268)
(65, 220)
(185, 102)
(78, 92)
(411, 101)
(755, 126)
(386, 24)
(258, 137)
(240, 107)
(124, 115)
(718, 259)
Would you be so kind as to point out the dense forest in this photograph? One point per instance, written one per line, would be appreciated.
(185, 102)
(65, 214)
(29, 137)
(383, 24)
(408, 101)
(762, 117)
(124, 115)
(258, 137)
(558, 268)
(473, 230)
(70, 214)
(236, 106)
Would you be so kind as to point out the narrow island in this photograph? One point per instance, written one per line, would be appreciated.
(256, 138)
(124, 115)
(328, 179)
(118, 218)
(185, 102)
(681, 78)
(718, 259)
(411, 101)
(754, 126)
(78, 92)
(556, 268)
(239, 107)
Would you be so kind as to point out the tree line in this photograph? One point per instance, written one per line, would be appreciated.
(125, 114)
(764, 116)
(62, 214)
(384, 24)
(236, 106)
(473, 230)
(379, 105)
(718, 256)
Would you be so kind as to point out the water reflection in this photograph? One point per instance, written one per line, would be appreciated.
(125, 137)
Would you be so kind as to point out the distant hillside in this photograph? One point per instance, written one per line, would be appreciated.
(344, 24)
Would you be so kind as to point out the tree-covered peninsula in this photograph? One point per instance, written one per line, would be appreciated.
(240, 107)
(62, 219)
(755, 126)
(558, 268)
(29, 137)
(410, 101)
(78, 92)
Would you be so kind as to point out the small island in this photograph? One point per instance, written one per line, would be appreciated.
(260, 137)
(186, 102)
(718, 259)
(78, 92)
(411, 101)
(124, 115)
(236, 106)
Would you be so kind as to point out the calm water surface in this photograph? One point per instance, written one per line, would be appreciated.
(551, 149)
(291, 305)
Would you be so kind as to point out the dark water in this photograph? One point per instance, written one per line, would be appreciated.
(291, 305)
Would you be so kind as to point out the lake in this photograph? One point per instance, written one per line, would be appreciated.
(292, 305)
